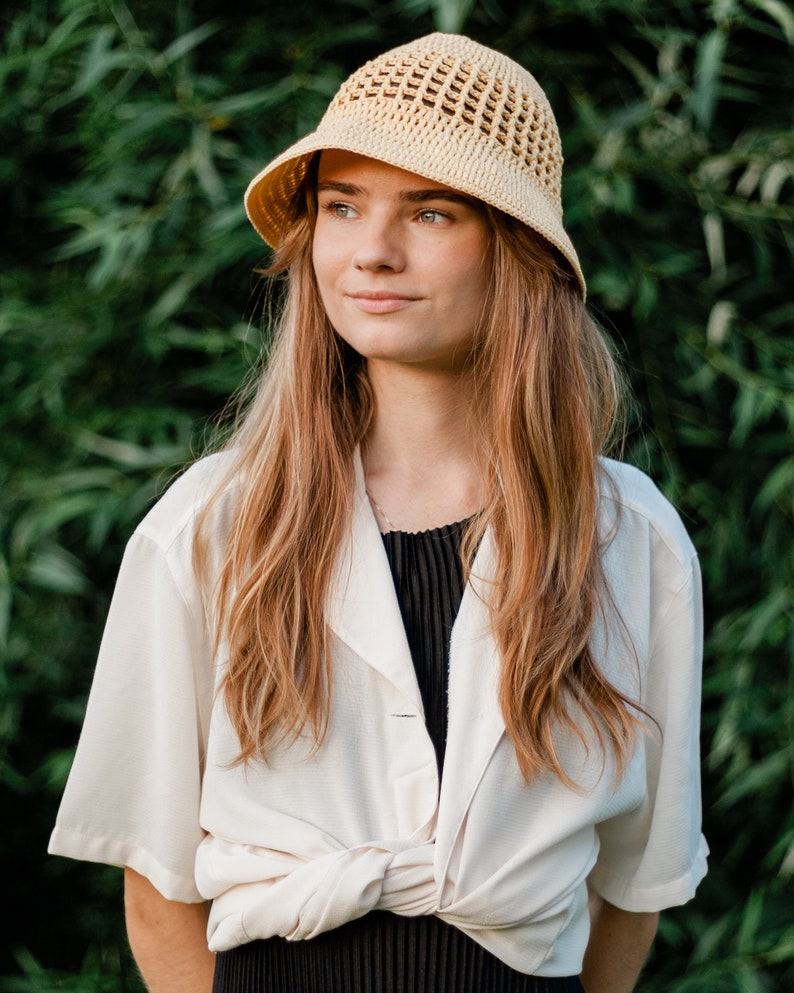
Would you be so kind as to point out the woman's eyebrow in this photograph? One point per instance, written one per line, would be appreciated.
(422, 196)
(410, 196)
(347, 189)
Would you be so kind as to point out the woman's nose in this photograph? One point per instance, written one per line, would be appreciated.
(380, 247)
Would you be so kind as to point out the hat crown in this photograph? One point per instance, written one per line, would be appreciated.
(463, 85)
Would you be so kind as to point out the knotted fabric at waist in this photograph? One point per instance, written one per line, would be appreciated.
(299, 898)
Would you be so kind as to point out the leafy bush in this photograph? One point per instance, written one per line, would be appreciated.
(128, 314)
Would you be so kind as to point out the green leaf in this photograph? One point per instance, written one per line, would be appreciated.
(450, 15)
(185, 43)
(708, 70)
(779, 12)
(53, 568)
(757, 780)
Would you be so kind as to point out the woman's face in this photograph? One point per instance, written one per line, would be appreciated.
(401, 262)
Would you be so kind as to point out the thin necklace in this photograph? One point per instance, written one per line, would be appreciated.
(379, 509)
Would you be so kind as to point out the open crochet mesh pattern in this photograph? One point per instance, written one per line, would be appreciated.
(516, 118)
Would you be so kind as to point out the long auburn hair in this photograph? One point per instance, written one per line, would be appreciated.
(548, 394)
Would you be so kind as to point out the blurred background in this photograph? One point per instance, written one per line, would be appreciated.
(129, 311)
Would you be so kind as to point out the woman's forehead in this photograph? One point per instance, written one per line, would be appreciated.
(338, 167)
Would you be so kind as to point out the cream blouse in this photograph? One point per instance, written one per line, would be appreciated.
(313, 839)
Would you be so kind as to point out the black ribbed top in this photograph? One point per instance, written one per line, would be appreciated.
(384, 952)
(428, 579)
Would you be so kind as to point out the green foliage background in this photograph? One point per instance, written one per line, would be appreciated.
(128, 313)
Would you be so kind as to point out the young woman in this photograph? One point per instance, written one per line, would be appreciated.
(399, 692)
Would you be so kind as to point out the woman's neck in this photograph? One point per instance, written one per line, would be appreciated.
(420, 454)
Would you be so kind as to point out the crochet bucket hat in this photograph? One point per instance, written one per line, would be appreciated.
(446, 108)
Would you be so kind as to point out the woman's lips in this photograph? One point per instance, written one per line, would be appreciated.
(380, 303)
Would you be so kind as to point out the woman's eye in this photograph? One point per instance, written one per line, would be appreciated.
(341, 210)
(431, 216)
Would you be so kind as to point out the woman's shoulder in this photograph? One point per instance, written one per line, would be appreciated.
(175, 514)
(632, 500)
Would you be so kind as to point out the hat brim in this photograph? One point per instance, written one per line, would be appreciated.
(269, 196)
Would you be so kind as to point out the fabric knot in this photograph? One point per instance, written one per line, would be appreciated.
(388, 875)
(299, 899)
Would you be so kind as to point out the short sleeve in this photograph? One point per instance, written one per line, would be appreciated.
(133, 793)
(654, 856)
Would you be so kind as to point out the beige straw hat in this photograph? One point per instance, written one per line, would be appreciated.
(446, 108)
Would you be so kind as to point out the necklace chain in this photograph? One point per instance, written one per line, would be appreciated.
(380, 510)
